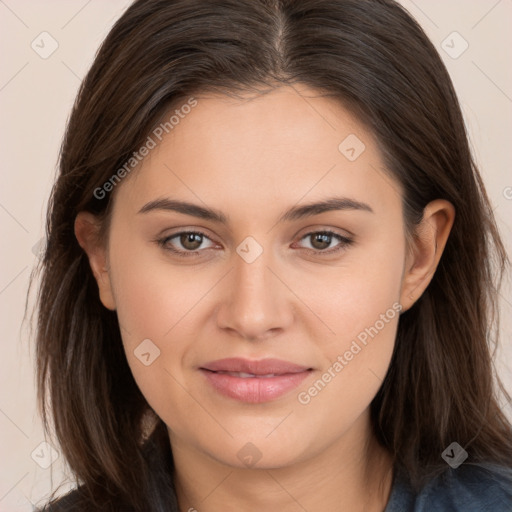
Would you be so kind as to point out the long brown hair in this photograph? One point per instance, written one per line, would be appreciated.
(376, 60)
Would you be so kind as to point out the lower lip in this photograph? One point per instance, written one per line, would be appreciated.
(254, 390)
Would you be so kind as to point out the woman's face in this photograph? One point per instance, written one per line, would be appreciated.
(259, 280)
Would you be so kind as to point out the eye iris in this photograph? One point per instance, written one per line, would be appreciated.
(320, 240)
(191, 241)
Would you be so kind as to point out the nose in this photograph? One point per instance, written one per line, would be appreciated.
(257, 304)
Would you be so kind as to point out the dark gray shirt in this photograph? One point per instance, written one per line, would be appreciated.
(469, 488)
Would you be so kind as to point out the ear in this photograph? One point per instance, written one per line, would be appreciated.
(87, 229)
(428, 243)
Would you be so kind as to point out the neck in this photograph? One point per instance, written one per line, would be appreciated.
(353, 474)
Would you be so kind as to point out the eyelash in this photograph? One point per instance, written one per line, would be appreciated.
(344, 242)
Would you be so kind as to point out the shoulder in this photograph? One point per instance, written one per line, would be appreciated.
(78, 500)
(157, 452)
(74, 501)
(469, 488)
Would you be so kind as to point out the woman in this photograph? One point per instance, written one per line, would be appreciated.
(270, 280)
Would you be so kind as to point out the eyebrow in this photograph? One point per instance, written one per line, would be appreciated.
(294, 213)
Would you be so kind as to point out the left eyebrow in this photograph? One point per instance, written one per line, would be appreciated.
(295, 213)
(334, 203)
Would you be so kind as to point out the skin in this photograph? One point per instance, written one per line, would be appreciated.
(252, 159)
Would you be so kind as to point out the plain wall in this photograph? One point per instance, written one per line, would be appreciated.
(36, 96)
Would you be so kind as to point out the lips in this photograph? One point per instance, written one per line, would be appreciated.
(254, 381)
(244, 375)
(257, 368)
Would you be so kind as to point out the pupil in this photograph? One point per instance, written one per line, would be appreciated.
(321, 241)
(191, 240)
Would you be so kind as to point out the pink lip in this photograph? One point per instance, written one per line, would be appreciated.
(287, 376)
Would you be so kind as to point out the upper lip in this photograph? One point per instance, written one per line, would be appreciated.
(260, 367)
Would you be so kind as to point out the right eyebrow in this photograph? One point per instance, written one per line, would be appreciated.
(185, 208)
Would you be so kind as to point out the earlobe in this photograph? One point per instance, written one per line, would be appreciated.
(428, 244)
(87, 228)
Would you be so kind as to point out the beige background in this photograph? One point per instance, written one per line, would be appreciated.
(36, 95)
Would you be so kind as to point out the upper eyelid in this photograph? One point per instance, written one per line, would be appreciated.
(202, 231)
(308, 233)
(342, 239)
(194, 231)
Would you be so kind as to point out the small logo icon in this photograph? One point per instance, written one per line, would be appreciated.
(249, 250)
(39, 247)
(454, 45)
(44, 455)
(44, 45)
(249, 454)
(454, 455)
(351, 147)
(147, 352)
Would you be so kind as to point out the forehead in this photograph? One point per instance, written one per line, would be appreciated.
(250, 152)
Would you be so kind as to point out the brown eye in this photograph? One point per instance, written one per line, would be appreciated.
(191, 241)
(186, 243)
(320, 240)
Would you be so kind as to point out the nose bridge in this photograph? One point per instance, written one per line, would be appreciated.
(255, 303)
(251, 261)
(251, 280)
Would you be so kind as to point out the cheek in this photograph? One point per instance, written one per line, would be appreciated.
(353, 371)
(360, 311)
(351, 296)
(158, 307)
(152, 295)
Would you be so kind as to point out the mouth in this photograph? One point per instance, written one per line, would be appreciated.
(243, 375)
(254, 381)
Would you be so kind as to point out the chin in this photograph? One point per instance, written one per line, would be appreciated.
(259, 452)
